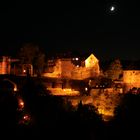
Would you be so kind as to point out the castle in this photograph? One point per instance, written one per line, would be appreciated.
(131, 79)
(68, 68)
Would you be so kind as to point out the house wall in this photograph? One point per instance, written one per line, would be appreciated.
(64, 68)
(83, 73)
(57, 71)
(5, 65)
(131, 78)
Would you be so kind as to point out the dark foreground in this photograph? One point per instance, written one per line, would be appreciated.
(47, 117)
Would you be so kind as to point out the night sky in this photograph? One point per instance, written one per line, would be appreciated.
(86, 27)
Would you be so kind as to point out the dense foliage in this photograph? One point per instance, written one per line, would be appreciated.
(50, 116)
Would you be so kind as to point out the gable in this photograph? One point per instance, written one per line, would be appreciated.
(91, 61)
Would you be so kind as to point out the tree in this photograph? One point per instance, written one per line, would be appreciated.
(106, 102)
(31, 54)
(128, 111)
(39, 63)
(115, 70)
(127, 116)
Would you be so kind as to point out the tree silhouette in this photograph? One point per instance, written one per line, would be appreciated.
(115, 70)
(31, 54)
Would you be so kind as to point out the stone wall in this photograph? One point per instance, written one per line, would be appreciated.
(131, 78)
(83, 73)
(57, 71)
(5, 65)
(64, 68)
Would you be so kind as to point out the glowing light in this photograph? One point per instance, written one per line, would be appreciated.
(15, 88)
(21, 104)
(62, 92)
(24, 71)
(91, 61)
(112, 8)
(86, 89)
(76, 59)
(26, 117)
(105, 112)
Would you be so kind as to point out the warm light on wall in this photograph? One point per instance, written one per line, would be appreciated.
(15, 88)
(131, 78)
(20, 104)
(64, 68)
(24, 71)
(105, 112)
(86, 89)
(91, 61)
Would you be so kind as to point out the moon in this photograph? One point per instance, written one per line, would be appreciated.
(112, 8)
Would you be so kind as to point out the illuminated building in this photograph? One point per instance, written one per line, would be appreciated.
(12, 66)
(5, 65)
(131, 78)
(73, 68)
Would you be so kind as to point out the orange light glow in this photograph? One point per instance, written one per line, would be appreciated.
(15, 88)
(21, 104)
(91, 61)
(24, 71)
(105, 112)
(26, 117)
(65, 91)
(86, 89)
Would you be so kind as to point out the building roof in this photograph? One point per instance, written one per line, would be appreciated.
(93, 57)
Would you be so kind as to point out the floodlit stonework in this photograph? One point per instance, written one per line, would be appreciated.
(5, 65)
(131, 78)
(64, 68)
(91, 62)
